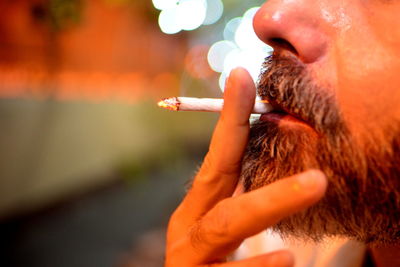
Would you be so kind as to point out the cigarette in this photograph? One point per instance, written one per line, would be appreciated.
(207, 104)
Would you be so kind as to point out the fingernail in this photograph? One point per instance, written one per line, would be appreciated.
(312, 179)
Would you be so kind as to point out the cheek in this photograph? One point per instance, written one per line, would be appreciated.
(368, 81)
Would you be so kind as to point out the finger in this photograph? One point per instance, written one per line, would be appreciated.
(275, 259)
(219, 173)
(235, 219)
(231, 134)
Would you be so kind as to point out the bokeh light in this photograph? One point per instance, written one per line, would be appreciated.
(164, 4)
(191, 14)
(168, 21)
(241, 48)
(188, 15)
(230, 28)
(215, 9)
(217, 54)
(245, 36)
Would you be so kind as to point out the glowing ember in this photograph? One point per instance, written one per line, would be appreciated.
(169, 103)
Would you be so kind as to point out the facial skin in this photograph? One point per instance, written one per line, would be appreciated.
(336, 67)
(351, 47)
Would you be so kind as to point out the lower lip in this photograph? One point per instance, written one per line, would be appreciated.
(281, 118)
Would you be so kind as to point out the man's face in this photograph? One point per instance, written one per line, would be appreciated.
(335, 76)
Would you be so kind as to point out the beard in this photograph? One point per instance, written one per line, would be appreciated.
(362, 201)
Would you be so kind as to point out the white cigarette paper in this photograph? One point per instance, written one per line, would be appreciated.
(207, 104)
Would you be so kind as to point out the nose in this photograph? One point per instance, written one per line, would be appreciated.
(293, 27)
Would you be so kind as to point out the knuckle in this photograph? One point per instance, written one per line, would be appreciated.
(219, 221)
(228, 169)
(219, 166)
(195, 236)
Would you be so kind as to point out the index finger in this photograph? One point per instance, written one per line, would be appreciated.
(219, 173)
(231, 133)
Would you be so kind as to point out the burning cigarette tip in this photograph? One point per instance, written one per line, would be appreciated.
(169, 103)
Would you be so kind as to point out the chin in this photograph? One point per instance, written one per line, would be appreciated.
(363, 197)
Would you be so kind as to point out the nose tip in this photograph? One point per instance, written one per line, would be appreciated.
(291, 28)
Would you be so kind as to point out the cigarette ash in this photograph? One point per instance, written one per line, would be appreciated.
(170, 103)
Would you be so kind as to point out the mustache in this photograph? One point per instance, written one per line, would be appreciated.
(285, 82)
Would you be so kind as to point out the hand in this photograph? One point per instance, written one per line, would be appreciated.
(210, 224)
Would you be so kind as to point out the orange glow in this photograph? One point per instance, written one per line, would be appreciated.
(25, 81)
(169, 103)
(164, 82)
(104, 57)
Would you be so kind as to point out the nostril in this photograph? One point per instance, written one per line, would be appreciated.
(279, 43)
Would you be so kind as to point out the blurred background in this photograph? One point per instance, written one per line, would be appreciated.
(90, 167)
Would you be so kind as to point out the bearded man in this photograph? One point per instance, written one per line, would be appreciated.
(326, 162)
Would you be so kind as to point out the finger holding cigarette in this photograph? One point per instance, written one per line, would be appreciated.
(207, 104)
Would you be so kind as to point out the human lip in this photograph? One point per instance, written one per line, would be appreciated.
(280, 115)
